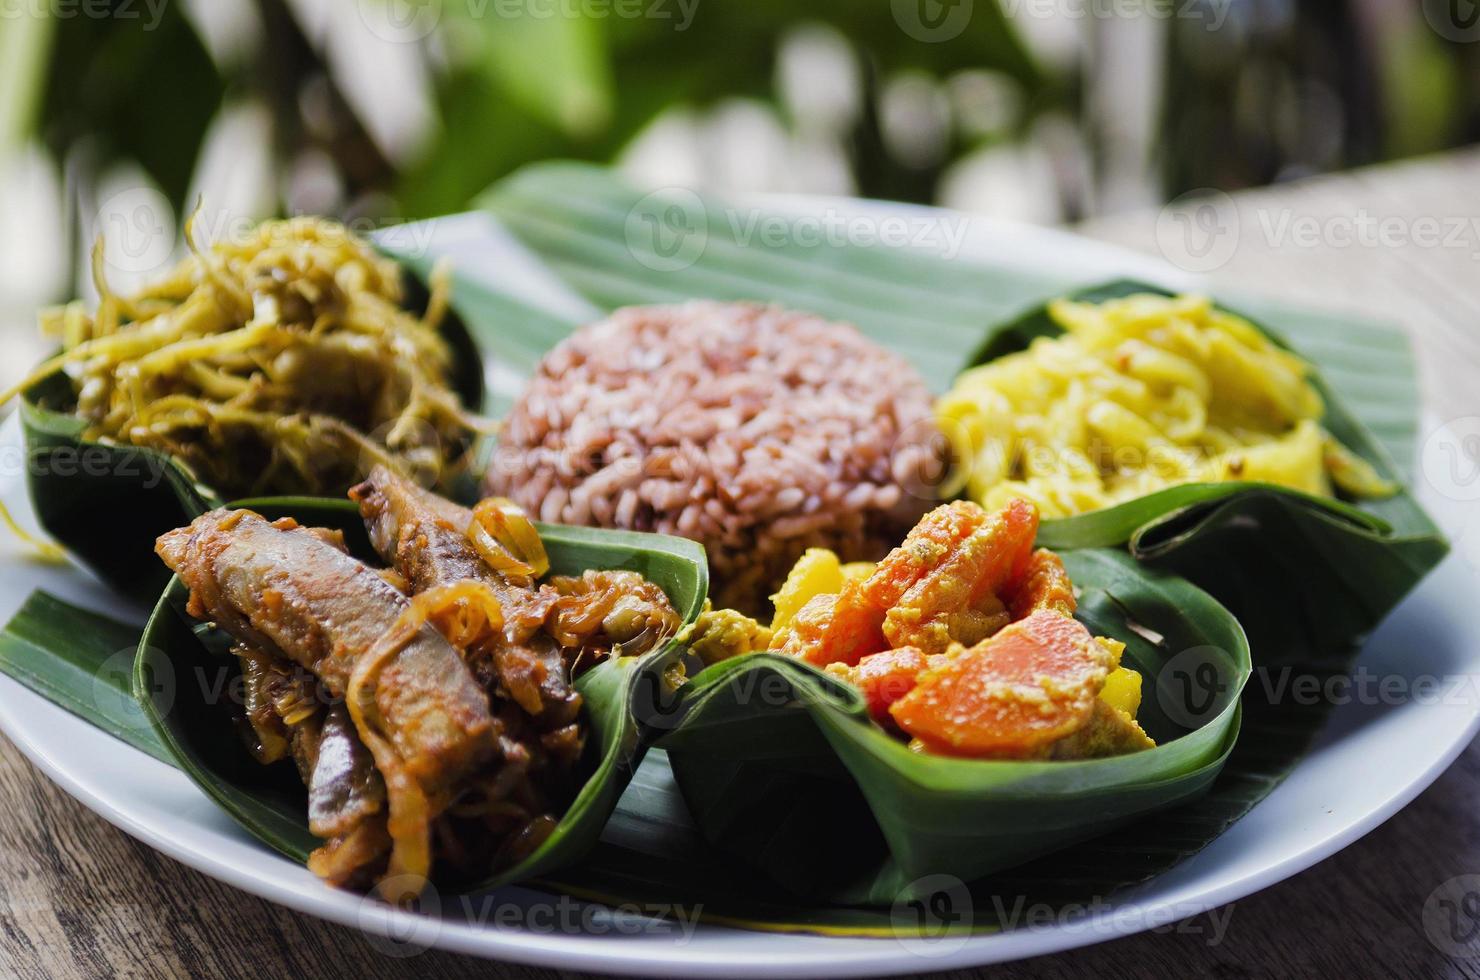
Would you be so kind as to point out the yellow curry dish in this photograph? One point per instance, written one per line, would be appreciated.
(1139, 394)
(962, 640)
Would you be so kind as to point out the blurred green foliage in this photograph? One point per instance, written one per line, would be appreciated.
(514, 81)
(120, 93)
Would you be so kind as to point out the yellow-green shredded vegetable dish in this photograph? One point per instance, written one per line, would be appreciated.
(280, 362)
(1139, 394)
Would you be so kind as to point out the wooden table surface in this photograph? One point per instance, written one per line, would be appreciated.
(81, 899)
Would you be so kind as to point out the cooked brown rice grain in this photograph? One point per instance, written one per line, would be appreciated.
(757, 431)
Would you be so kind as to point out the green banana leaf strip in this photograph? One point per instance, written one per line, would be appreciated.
(107, 503)
(652, 853)
(181, 679)
(835, 809)
(81, 661)
(1304, 574)
(617, 246)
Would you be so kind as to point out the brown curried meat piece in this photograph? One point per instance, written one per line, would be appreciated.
(279, 587)
(424, 537)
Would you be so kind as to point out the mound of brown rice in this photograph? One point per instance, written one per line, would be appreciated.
(757, 431)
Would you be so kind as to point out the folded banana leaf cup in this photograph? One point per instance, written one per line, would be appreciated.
(183, 676)
(106, 503)
(778, 762)
(781, 765)
(1307, 576)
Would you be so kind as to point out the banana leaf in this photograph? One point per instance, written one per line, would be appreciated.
(611, 244)
(573, 220)
(181, 679)
(652, 853)
(781, 764)
(81, 661)
(1307, 576)
(106, 503)
(605, 243)
(1304, 574)
(1316, 576)
(616, 246)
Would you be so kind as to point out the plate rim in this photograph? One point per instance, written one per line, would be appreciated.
(775, 954)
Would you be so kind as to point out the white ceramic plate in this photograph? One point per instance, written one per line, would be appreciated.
(1371, 760)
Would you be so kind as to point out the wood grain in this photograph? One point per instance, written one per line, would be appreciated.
(79, 899)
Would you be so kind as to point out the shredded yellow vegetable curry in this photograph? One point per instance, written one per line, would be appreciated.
(1139, 394)
(282, 362)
